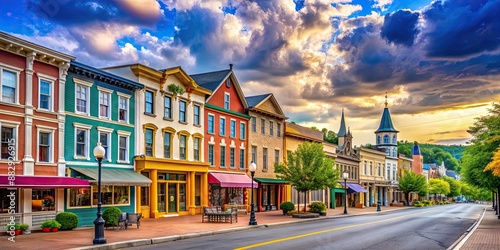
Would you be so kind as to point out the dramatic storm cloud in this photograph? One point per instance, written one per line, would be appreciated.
(316, 56)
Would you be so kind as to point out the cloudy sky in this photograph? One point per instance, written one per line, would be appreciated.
(438, 61)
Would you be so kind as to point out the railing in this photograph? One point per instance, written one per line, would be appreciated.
(5, 219)
(39, 218)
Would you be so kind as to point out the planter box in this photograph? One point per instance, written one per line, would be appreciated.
(305, 216)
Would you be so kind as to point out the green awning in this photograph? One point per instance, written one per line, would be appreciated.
(270, 181)
(339, 190)
(116, 177)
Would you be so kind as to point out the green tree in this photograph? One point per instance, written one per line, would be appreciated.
(455, 186)
(438, 186)
(485, 142)
(494, 165)
(330, 136)
(411, 182)
(308, 168)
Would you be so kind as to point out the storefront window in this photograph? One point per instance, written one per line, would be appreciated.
(145, 192)
(9, 201)
(79, 197)
(197, 190)
(110, 195)
(43, 200)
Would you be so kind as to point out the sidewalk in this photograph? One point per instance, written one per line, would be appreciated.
(161, 230)
(486, 235)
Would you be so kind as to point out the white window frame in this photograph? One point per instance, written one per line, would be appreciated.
(227, 100)
(197, 145)
(125, 134)
(125, 97)
(50, 131)
(87, 128)
(212, 163)
(213, 124)
(15, 126)
(231, 122)
(220, 127)
(51, 80)
(243, 131)
(109, 93)
(16, 71)
(87, 86)
(185, 147)
(108, 131)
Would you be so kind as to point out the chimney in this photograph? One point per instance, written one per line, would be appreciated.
(230, 66)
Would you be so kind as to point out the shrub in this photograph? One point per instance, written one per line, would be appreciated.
(51, 224)
(24, 227)
(287, 206)
(14, 227)
(68, 220)
(415, 203)
(317, 207)
(110, 216)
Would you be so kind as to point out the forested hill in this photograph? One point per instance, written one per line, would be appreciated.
(436, 153)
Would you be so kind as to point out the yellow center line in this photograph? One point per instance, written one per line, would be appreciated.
(325, 231)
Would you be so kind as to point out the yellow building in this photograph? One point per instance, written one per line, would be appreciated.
(371, 176)
(169, 141)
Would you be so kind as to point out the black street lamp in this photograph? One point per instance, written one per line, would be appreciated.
(345, 175)
(252, 167)
(99, 153)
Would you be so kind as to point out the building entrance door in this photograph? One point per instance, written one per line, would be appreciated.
(172, 198)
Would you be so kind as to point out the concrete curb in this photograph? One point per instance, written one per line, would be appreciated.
(461, 241)
(159, 240)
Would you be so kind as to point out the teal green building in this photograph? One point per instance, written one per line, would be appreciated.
(100, 107)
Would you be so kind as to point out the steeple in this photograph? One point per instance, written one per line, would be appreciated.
(386, 121)
(342, 130)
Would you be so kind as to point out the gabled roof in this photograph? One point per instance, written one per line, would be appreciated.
(342, 130)
(185, 79)
(303, 132)
(213, 80)
(255, 101)
(386, 122)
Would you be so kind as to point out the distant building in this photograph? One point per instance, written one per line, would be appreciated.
(418, 159)
(453, 174)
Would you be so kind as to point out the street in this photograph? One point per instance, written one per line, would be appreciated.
(435, 227)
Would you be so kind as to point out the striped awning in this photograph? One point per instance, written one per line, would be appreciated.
(116, 177)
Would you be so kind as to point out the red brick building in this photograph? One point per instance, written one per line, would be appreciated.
(226, 137)
(32, 81)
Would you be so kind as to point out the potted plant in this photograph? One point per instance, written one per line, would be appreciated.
(48, 202)
(25, 228)
(50, 226)
(175, 89)
(14, 228)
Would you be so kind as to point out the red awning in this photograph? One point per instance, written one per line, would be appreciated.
(231, 180)
(24, 181)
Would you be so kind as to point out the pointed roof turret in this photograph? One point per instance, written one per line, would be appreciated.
(416, 149)
(386, 121)
(342, 130)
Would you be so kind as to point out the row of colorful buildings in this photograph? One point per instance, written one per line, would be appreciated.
(174, 142)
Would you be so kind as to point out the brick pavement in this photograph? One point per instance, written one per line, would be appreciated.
(486, 235)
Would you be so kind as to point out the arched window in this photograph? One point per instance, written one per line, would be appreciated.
(386, 139)
(394, 152)
(387, 151)
(394, 139)
(378, 139)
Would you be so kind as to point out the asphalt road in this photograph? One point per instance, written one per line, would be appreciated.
(435, 227)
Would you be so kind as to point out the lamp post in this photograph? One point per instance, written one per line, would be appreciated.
(99, 153)
(252, 167)
(345, 175)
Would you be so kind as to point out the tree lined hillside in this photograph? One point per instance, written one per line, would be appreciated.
(436, 153)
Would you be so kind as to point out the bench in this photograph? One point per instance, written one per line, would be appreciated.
(215, 214)
(127, 219)
(242, 209)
